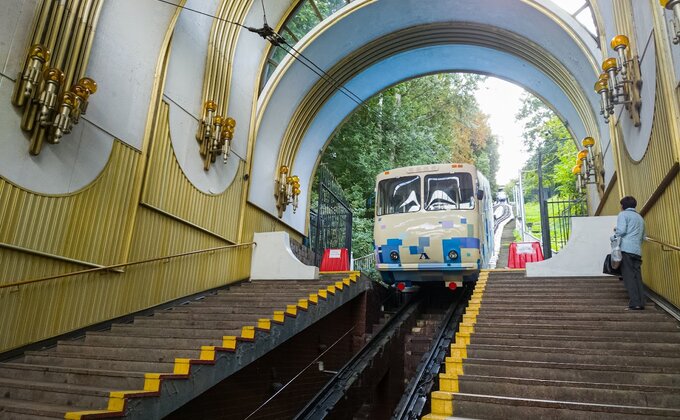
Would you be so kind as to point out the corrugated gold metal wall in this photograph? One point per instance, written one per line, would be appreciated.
(642, 178)
(81, 226)
(168, 189)
(661, 268)
(36, 311)
(256, 220)
(611, 206)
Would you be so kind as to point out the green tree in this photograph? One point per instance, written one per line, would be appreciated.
(427, 120)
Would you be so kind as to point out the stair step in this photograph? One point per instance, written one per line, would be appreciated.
(75, 376)
(51, 393)
(642, 375)
(149, 331)
(630, 324)
(118, 340)
(587, 392)
(87, 362)
(139, 354)
(29, 410)
(661, 337)
(575, 343)
(483, 406)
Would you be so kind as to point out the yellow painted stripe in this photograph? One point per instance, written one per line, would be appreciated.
(442, 403)
(229, 342)
(448, 382)
(303, 303)
(152, 382)
(181, 367)
(279, 316)
(347, 281)
(314, 298)
(291, 309)
(77, 415)
(207, 353)
(248, 332)
(331, 289)
(323, 293)
(339, 285)
(264, 324)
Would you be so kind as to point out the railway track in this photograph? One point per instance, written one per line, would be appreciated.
(506, 214)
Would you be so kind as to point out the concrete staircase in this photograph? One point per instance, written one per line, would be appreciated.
(559, 349)
(108, 374)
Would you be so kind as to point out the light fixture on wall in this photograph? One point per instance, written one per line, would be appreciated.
(50, 110)
(589, 166)
(215, 135)
(287, 191)
(620, 83)
(674, 5)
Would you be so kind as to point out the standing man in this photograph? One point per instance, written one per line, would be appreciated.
(630, 227)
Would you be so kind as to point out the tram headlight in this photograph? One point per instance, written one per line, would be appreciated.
(394, 256)
(453, 255)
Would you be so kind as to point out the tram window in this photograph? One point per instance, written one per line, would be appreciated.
(398, 195)
(449, 192)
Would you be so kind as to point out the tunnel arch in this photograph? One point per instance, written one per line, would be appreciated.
(294, 105)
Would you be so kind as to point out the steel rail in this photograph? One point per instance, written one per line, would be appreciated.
(326, 399)
(663, 244)
(414, 398)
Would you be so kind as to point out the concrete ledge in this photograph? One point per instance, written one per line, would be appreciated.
(584, 254)
(274, 260)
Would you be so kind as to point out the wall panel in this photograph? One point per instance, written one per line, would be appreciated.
(89, 226)
(167, 188)
(642, 178)
(41, 310)
(611, 207)
(660, 267)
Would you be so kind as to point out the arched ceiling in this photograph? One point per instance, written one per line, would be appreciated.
(370, 45)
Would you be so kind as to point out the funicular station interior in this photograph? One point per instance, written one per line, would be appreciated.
(156, 169)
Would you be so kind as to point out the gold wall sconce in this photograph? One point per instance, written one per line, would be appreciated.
(620, 82)
(50, 109)
(215, 135)
(287, 191)
(589, 167)
(674, 5)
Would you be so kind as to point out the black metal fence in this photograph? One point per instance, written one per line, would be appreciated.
(330, 224)
(559, 219)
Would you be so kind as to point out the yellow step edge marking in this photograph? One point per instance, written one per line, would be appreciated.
(339, 285)
(448, 382)
(472, 312)
(346, 281)
(303, 303)
(470, 318)
(77, 415)
(331, 289)
(291, 309)
(207, 353)
(248, 332)
(459, 352)
(279, 316)
(314, 298)
(323, 293)
(442, 403)
(229, 342)
(264, 324)
(152, 382)
(463, 337)
(466, 327)
(454, 366)
(354, 276)
(181, 366)
(474, 306)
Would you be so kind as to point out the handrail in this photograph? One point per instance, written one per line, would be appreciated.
(126, 264)
(662, 243)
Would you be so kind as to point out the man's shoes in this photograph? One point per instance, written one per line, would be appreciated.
(635, 308)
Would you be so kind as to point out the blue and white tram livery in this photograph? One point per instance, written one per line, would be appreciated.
(433, 223)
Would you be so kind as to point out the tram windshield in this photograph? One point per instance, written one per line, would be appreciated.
(449, 192)
(398, 195)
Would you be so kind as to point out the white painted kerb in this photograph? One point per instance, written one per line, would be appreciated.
(584, 254)
(274, 260)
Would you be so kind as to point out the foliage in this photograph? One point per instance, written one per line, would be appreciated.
(544, 132)
(433, 119)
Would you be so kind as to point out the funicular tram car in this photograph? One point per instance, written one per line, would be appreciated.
(433, 223)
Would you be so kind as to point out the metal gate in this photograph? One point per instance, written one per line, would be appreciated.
(330, 224)
(559, 219)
